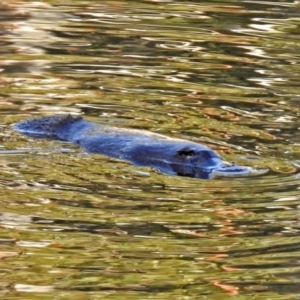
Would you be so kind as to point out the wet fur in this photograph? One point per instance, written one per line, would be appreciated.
(140, 147)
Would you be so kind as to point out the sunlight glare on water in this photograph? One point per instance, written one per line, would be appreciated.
(87, 226)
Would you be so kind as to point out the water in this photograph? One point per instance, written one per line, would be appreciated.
(77, 225)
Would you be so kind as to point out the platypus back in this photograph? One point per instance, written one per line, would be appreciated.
(55, 127)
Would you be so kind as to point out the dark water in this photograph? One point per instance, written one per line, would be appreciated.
(80, 226)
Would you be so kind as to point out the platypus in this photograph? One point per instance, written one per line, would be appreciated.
(140, 147)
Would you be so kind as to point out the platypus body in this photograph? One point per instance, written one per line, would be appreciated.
(140, 147)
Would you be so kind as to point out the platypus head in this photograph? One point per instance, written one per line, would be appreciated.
(203, 157)
(202, 162)
(194, 161)
(185, 159)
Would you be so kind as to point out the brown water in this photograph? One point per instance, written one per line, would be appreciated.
(81, 226)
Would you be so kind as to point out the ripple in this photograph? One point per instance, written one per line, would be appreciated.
(223, 75)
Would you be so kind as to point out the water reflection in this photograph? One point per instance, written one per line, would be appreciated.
(78, 225)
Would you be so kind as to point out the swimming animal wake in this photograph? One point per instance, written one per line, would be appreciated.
(140, 147)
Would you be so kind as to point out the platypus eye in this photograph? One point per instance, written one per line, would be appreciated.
(186, 153)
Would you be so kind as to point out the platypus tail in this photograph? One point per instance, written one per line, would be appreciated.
(46, 127)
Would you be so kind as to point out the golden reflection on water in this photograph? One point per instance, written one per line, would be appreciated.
(79, 225)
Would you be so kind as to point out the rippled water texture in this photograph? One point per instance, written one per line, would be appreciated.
(85, 226)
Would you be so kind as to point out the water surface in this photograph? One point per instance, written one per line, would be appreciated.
(77, 225)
